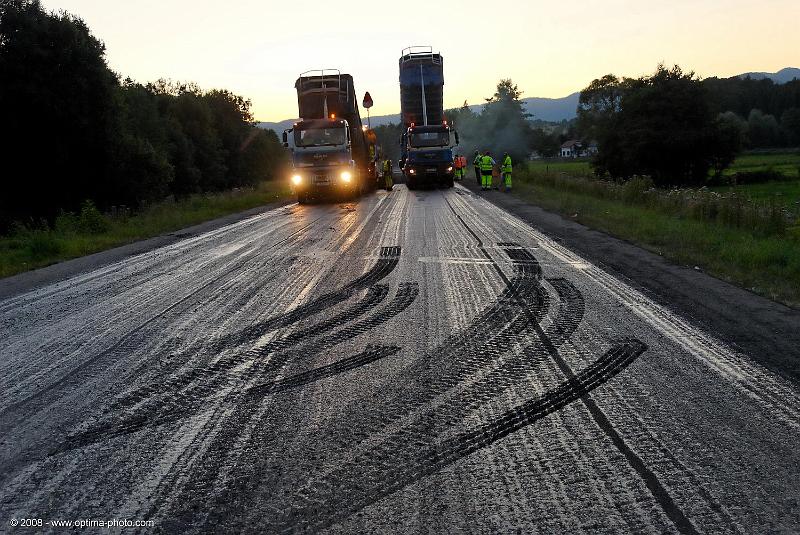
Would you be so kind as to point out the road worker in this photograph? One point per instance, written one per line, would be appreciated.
(463, 160)
(506, 170)
(476, 162)
(487, 166)
(459, 163)
(387, 174)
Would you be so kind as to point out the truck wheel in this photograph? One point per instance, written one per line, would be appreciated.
(450, 183)
(410, 183)
(302, 198)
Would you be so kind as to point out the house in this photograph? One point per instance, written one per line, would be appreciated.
(571, 149)
(575, 149)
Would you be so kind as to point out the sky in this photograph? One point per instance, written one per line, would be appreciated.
(257, 48)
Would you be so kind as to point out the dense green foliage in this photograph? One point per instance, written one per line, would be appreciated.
(769, 112)
(73, 131)
(662, 126)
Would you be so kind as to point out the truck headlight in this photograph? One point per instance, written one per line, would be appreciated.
(411, 171)
(296, 180)
(449, 169)
(346, 176)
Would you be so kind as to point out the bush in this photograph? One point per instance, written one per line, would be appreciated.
(42, 244)
(91, 221)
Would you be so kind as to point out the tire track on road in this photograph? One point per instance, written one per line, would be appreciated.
(656, 488)
(367, 478)
(170, 402)
(244, 409)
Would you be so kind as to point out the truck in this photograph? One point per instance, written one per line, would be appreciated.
(427, 142)
(330, 148)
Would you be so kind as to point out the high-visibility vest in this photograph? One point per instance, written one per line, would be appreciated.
(387, 166)
(477, 160)
(486, 163)
(463, 161)
(507, 164)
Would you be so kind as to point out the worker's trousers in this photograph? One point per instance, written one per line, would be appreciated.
(507, 180)
(478, 174)
(486, 178)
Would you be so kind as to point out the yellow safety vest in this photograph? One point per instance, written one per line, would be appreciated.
(486, 163)
(507, 164)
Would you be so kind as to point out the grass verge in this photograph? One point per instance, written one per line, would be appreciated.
(761, 257)
(75, 235)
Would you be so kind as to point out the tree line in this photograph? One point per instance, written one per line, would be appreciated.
(74, 130)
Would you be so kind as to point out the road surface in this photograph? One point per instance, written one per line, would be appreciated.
(417, 361)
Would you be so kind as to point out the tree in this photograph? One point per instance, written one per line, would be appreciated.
(790, 123)
(763, 130)
(58, 98)
(660, 125)
(730, 139)
(504, 124)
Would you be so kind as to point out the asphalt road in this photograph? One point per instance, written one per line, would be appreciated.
(417, 361)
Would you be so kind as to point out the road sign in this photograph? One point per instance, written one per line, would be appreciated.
(367, 100)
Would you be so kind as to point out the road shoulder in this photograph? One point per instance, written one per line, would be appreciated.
(767, 331)
(37, 278)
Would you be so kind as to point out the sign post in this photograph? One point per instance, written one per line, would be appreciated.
(367, 104)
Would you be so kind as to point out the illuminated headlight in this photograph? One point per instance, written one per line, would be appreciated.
(296, 180)
(411, 171)
(346, 176)
(449, 169)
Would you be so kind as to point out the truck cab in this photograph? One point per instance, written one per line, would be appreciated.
(427, 155)
(322, 159)
(329, 146)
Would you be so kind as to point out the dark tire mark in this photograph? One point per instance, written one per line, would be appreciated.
(662, 496)
(488, 338)
(371, 476)
(369, 355)
(171, 403)
(246, 407)
(389, 257)
(211, 376)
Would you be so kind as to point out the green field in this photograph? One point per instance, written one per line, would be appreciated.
(572, 167)
(747, 234)
(88, 232)
(786, 163)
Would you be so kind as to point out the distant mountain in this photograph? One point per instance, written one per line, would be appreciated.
(277, 127)
(553, 110)
(781, 77)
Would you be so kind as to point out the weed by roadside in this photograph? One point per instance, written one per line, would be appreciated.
(38, 244)
(751, 242)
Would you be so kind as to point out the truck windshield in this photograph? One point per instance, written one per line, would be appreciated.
(429, 139)
(320, 137)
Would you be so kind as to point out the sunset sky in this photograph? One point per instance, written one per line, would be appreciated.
(550, 49)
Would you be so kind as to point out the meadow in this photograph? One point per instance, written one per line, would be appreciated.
(746, 234)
